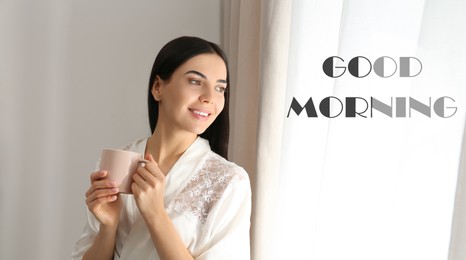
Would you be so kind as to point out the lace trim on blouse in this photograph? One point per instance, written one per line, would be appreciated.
(206, 187)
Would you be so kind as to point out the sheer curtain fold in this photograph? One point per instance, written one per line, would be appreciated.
(275, 36)
(241, 41)
(257, 45)
(458, 230)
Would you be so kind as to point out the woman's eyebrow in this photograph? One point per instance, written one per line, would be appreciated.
(197, 73)
(204, 76)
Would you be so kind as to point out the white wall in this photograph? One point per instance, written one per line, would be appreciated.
(73, 80)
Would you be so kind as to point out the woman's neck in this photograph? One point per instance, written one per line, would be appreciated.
(166, 146)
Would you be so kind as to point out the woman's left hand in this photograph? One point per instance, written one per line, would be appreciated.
(149, 189)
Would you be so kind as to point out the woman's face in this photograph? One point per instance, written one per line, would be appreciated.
(194, 95)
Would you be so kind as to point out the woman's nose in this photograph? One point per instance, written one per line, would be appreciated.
(207, 96)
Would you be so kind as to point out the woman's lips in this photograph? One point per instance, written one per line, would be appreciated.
(200, 114)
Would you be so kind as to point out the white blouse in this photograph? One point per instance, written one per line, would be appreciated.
(208, 200)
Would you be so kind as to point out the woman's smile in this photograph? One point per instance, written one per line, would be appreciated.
(200, 114)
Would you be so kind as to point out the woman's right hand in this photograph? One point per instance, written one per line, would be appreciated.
(103, 200)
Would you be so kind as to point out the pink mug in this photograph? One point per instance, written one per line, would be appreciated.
(120, 166)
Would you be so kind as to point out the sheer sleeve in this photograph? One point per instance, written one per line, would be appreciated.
(91, 228)
(226, 230)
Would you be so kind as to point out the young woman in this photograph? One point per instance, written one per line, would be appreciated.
(188, 202)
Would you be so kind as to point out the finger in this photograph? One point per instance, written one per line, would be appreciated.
(101, 193)
(153, 167)
(150, 158)
(140, 182)
(98, 175)
(91, 196)
(146, 175)
(135, 189)
(102, 200)
(101, 184)
(152, 164)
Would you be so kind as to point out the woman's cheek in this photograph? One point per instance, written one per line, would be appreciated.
(220, 104)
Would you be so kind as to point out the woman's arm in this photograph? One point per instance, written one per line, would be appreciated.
(103, 201)
(166, 239)
(148, 189)
(103, 246)
(225, 234)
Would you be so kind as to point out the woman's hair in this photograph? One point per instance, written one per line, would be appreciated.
(170, 57)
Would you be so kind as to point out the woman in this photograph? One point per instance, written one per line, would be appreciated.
(188, 201)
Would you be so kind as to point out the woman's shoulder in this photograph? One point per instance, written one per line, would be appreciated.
(215, 166)
(215, 174)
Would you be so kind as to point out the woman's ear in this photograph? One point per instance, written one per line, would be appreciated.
(156, 93)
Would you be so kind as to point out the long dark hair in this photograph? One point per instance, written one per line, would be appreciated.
(170, 57)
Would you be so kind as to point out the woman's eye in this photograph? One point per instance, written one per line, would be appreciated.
(220, 89)
(194, 82)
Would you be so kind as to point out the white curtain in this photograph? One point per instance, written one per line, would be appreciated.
(255, 56)
(354, 188)
(458, 229)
